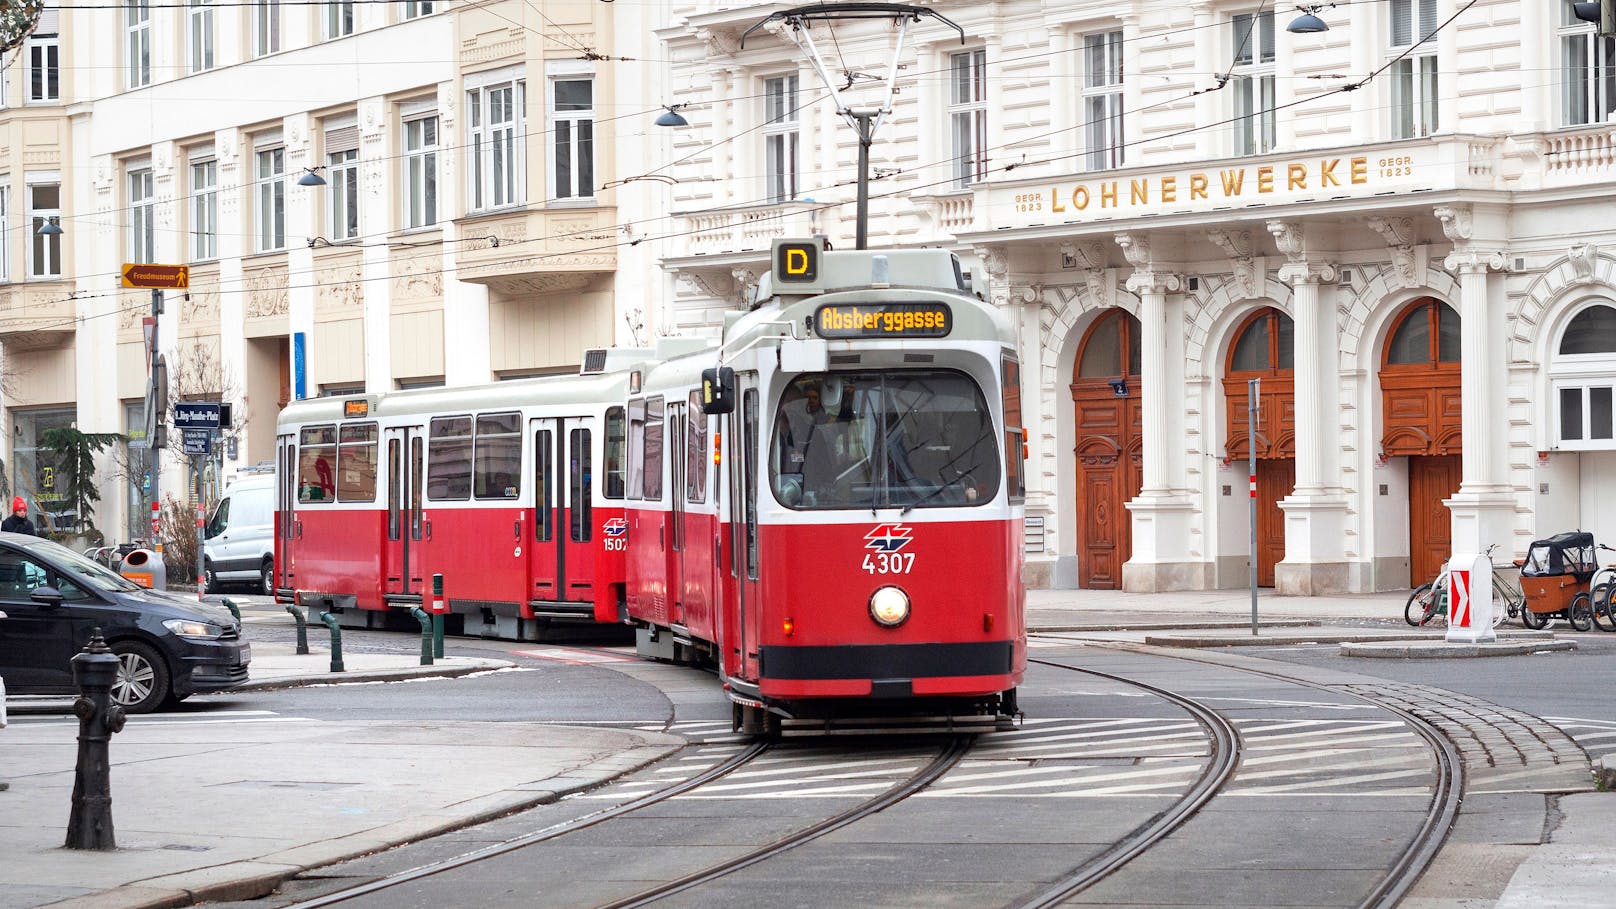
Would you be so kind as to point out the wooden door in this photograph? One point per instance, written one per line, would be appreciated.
(1106, 400)
(1431, 478)
(1276, 479)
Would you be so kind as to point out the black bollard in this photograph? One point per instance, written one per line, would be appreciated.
(94, 670)
(302, 629)
(426, 634)
(336, 640)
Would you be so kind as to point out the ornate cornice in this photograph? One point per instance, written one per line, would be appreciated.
(1456, 222)
(1583, 257)
(1408, 261)
(1473, 261)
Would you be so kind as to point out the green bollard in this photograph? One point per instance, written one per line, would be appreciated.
(426, 634)
(231, 605)
(302, 629)
(336, 640)
(439, 607)
(437, 636)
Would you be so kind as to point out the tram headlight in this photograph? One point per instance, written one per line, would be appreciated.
(889, 606)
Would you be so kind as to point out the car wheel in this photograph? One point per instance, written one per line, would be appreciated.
(266, 577)
(210, 579)
(142, 682)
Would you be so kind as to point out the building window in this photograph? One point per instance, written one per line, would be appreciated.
(1252, 79)
(342, 172)
(137, 43)
(204, 210)
(142, 229)
(266, 27)
(414, 9)
(1584, 380)
(44, 58)
(495, 144)
(572, 123)
(780, 137)
(968, 115)
(5, 229)
(200, 25)
(271, 199)
(1587, 71)
(421, 172)
(1102, 100)
(44, 252)
(339, 19)
(1413, 75)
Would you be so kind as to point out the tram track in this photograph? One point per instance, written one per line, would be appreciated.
(1401, 876)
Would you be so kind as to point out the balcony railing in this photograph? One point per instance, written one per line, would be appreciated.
(745, 228)
(1579, 153)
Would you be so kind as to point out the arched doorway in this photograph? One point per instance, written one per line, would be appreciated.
(1422, 415)
(1582, 381)
(1106, 396)
(1264, 349)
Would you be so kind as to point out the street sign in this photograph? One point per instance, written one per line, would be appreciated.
(197, 442)
(196, 415)
(146, 274)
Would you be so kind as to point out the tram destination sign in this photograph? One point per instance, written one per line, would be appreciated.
(884, 320)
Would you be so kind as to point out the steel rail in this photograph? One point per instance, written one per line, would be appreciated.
(1225, 743)
(717, 771)
(945, 761)
(1446, 796)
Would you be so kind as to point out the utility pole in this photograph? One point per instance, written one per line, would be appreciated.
(156, 418)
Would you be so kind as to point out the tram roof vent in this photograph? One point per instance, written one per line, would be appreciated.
(599, 360)
(594, 362)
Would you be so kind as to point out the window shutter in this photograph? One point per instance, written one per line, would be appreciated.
(341, 139)
(49, 21)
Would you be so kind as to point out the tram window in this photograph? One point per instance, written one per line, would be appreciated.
(653, 449)
(581, 479)
(356, 463)
(317, 464)
(543, 463)
(912, 439)
(696, 452)
(1014, 445)
(498, 448)
(613, 454)
(416, 461)
(395, 488)
(448, 472)
(636, 448)
(749, 446)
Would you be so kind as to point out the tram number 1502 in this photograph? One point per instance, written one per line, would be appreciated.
(889, 562)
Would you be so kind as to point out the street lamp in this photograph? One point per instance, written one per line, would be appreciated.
(671, 117)
(49, 229)
(310, 178)
(1308, 23)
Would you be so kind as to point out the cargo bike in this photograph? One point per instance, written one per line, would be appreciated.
(1555, 577)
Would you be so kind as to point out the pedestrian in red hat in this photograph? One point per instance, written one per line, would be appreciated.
(18, 522)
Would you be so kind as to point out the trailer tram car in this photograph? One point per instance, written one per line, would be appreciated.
(828, 506)
(512, 491)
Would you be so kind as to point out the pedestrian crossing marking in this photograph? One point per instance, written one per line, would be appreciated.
(575, 657)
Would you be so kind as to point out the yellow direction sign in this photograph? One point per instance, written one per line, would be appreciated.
(145, 274)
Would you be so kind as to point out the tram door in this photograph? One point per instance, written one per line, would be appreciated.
(742, 455)
(561, 562)
(285, 517)
(406, 474)
(676, 496)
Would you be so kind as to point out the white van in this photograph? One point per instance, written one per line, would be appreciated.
(238, 544)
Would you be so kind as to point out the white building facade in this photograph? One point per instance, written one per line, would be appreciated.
(1400, 225)
(465, 227)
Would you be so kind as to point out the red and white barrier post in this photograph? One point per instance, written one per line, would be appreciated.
(1470, 599)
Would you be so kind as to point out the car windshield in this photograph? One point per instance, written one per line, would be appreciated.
(93, 573)
(912, 439)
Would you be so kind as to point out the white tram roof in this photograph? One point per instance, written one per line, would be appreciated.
(544, 391)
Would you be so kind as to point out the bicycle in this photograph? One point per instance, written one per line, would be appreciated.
(1602, 591)
(1428, 601)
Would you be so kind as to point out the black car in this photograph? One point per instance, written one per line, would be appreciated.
(52, 598)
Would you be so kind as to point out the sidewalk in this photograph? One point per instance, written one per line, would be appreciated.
(283, 794)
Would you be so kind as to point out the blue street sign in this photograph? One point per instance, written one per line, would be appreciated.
(300, 375)
(195, 415)
(197, 442)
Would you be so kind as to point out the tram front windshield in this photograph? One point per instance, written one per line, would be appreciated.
(898, 439)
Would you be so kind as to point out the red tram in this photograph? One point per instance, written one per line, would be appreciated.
(826, 506)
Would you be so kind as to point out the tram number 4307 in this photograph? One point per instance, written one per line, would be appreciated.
(889, 562)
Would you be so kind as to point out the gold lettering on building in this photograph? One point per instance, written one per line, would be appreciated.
(1359, 171)
(1197, 186)
(1296, 176)
(1080, 197)
(1139, 192)
(1265, 179)
(1108, 195)
(1233, 181)
(1055, 199)
(1327, 175)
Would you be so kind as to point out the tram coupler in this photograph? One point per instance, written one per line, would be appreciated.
(89, 825)
(302, 629)
(234, 609)
(426, 633)
(336, 640)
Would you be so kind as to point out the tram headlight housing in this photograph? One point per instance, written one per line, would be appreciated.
(889, 607)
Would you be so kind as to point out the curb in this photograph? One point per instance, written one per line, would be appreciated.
(1166, 626)
(1332, 637)
(374, 675)
(1440, 650)
(253, 879)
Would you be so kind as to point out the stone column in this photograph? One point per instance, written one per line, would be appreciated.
(1483, 511)
(1163, 513)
